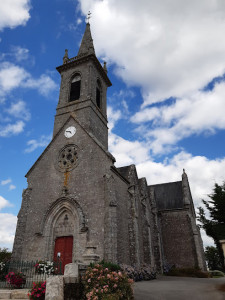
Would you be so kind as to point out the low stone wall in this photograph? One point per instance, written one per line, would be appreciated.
(68, 286)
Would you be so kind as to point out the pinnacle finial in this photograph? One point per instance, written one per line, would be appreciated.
(65, 57)
(105, 67)
(88, 17)
(184, 175)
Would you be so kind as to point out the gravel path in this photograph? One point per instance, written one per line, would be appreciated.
(179, 288)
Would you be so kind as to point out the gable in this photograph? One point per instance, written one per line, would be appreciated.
(169, 195)
(59, 141)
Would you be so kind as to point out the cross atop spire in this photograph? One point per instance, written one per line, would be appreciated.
(87, 46)
(88, 17)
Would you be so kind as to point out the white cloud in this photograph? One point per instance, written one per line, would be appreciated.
(34, 144)
(4, 203)
(13, 76)
(44, 84)
(7, 230)
(17, 53)
(12, 187)
(8, 225)
(167, 48)
(20, 53)
(12, 129)
(119, 109)
(127, 152)
(113, 117)
(19, 110)
(208, 241)
(7, 181)
(14, 13)
(201, 112)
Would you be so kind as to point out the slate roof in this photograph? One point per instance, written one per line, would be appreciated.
(124, 171)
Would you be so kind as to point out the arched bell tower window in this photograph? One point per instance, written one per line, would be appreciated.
(75, 87)
(98, 93)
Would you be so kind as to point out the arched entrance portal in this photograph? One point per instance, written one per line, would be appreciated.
(64, 231)
(64, 250)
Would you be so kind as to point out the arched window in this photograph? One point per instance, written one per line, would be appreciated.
(98, 93)
(75, 88)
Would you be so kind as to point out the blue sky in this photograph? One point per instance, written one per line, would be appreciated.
(166, 106)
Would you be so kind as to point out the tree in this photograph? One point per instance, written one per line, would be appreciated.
(213, 258)
(5, 254)
(215, 225)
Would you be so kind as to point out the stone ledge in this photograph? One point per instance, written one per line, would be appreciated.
(5, 294)
(19, 294)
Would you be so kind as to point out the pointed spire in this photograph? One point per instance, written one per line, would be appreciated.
(186, 189)
(87, 46)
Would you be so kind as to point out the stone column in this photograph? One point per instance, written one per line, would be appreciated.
(54, 288)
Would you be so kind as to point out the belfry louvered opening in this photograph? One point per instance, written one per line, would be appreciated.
(75, 88)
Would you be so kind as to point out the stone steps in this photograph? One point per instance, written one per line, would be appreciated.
(14, 294)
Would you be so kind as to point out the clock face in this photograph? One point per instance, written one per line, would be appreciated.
(70, 131)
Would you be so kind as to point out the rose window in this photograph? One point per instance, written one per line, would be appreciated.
(67, 157)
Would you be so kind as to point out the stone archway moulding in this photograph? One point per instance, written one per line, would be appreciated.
(56, 209)
(60, 205)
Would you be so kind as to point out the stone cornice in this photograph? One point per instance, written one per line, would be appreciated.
(81, 59)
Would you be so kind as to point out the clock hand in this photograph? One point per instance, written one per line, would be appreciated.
(68, 131)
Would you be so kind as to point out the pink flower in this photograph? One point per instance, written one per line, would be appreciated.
(115, 286)
(89, 280)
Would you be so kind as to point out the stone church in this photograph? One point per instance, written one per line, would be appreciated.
(78, 206)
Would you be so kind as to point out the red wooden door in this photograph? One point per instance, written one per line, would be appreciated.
(64, 246)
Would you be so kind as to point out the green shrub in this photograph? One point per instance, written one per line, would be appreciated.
(104, 284)
(107, 264)
(216, 273)
(188, 272)
(5, 254)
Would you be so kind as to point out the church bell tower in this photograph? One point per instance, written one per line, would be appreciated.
(83, 90)
(66, 183)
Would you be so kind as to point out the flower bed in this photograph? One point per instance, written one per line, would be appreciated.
(144, 272)
(38, 291)
(45, 267)
(103, 283)
(16, 279)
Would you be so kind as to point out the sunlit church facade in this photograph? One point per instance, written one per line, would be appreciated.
(80, 206)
